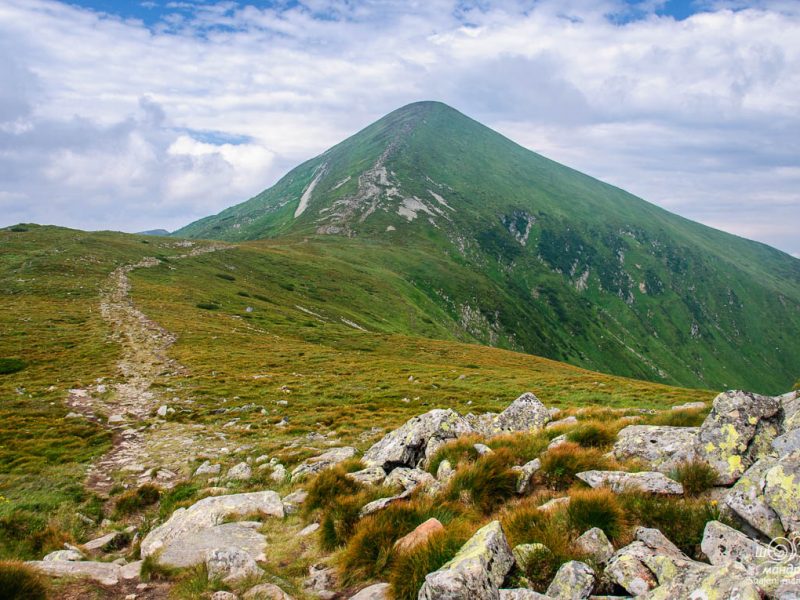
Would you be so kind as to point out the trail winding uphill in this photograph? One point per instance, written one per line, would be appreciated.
(132, 402)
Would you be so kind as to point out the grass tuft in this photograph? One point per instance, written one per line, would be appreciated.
(593, 435)
(21, 582)
(485, 484)
(136, 500)
(596, 508)
(562, 463)
(695, 476)
(11, 365)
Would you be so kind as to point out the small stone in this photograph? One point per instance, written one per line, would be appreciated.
(368, 476)
(378, 591)
(240, 472)
(308, 529)
(222, 595)
(557, 441)
(525, 475)
(573, 581)
(571, 420)
(278, 474)
(208, 469)
(162, 411)
(595, 545)
(409, 479)
(444, 471)
(482, 449)
(266, 591)
(332, 457)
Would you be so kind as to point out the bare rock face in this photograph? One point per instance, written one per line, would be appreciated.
(230, 565)
(476, 572)
(329, 459)
(416, 440)
(619, 481)
(738, 431)
(663, 448)
(573, 581)
(594, 543)
(183, 539)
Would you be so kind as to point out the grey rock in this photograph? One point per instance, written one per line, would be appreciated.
(444, 471)
(240, 472)
(482, 449)
(557, 441)
(308, 529)
(103, 573)
(555, 504)
(380, 504)
(131, 570)
(329, 459)
(787, 443)
(208, 469)
(293, 501)
(566, 421)
(526, 413)
(63, 555)
(191, 549)
(628, 571)
(528, 556)
(476, 572)
(746, 502)
(320, 579)
(522, 594)
(738, 431)
(723, 545)
(278, 474)
(594, 543)
(657, 542)
(230, 565)
(409, 479)
(619, 481)
(223, 595)
(208, 513)
(573, 581)
(106, 542)
(369, 476)
(266, 591)
(525, 475)
(663, 448)
(378, 591)
(700, 582)
(416, 440)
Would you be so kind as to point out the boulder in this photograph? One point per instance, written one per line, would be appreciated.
(218, 595)
(378, 591)
(103, 573)
(594, 544)
(208, 513)
(278, 474)
(416, 440)
(329, 459)
(369, 476)
(782, 492)
(132, 570)
(63, 555)
(266, 591)
(208, 469)
(738, 431)
(657, 542)
(522, 594)
(380, 504)
(746, 502)
(627, 570)
(419, 535)
(409, 479)
(526, 413)
(702, 582)
(525, 475)
(620, 481)
(292, 502)
(787, 443)
(109, 541)
(663, 448)
(573, 581)
(477, 571)
(240, 472)
(230, 565)
(190, 549)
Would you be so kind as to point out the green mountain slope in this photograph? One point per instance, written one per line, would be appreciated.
(521, 252)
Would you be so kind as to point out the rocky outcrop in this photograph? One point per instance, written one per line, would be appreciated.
(190, 532)
(329, 459)
(573, 581)
(416, 440)
(619, 481)
(476, 572)
(738, 431)
(662, 448)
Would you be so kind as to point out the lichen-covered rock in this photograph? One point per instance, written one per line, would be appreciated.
(526, 413)
(522, 594)
(218, 595)
(594, 544)
(368, 476)
(712, 583)
(557, 441)
(329, 459)
(419, 535)
(782, 492)
(573, 581)
(380, 504)
(723, 545)
(409, 479)
(63, 555)
(190, 549)
(530, 556)
(629, 572)
(208, 513)
(787, 443)
(652, 482)
(266, 591)
(746, 501)
(657, 542)
(378, 591)
(738, 431)
(230, 565)
(663, 448)
(444, 471)
(208, 469)
(476, 572)
(293, 501)
(416, 440)
(525, 475)
(240, 472)
(103, 573)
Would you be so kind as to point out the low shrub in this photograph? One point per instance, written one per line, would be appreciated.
(562, 463)
(485, 484)
(593, 435)
(596, 508)
(18, 581)
(695, 476)
(11, 365)
(136, 500)
(409, 569)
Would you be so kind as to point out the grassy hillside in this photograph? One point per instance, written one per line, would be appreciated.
(523, 253)
(294, 346)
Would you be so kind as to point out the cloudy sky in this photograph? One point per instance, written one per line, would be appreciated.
(150, 114)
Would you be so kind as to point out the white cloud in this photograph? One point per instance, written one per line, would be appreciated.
(700, 116)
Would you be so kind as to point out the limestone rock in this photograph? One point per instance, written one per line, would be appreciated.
(103, 573)
(525, 475)
(619, 481)
(208, 513)
(737, 432)
(573, 581)
(378, 591)
(369, 476)
(230, 565)
(331, 458)
(477, 570)
(594, 543)
(266, 591)
(409, 479)
(416, 440)
(663, 448)
(419, 535)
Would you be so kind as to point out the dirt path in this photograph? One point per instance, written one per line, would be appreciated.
(142, 448)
